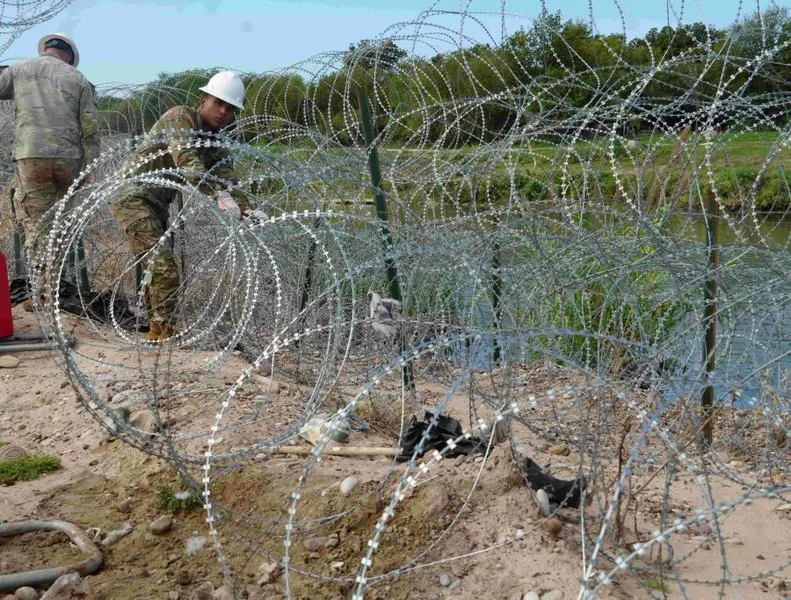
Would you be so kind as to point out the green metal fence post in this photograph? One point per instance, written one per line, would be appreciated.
(380, 201)
(710, 314)
(497, 284)
(84, 283)
(18, 272)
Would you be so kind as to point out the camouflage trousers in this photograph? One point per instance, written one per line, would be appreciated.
(144, 219)
(42, 182)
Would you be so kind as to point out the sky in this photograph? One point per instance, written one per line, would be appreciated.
(131, 41)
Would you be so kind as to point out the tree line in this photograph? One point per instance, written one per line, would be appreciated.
(557, 72)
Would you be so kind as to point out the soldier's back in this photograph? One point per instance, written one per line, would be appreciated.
(48, 95)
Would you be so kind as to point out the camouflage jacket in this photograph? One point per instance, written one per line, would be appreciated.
(56, 113)
(202, 166)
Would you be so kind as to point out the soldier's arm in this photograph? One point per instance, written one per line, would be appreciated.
(224, 171)
(185, 157)
(6, 83)
(89, 124)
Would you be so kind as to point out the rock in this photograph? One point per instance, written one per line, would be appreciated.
(268, 384)
(64, 587)
(257, 593)
(26, 593)
(332, 541)
(111, 537)
(124, 506)
(205, 591)
(314, 544)
(125, 397)
(559, 450)
(8, 362)
(784, 508)
(553, 595)
(122, 414)
(436, 502)
(12, 451)
(195, 544)
(144, 421)
(161, 524)
(553, 526)
(531, 596)
(456, 583)
(336, 566)
(371, 503)
(356, 543)
(542, 500)
(445, 580)
(174, 595)
(222, 593)
(184, 577)
(702, 529)
(348, 484)
(269, 571)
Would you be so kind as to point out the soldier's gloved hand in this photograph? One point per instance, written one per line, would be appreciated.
(228, 205)
(256, 216)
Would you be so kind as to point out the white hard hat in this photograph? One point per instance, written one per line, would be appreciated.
(65, 38)
(227, 86)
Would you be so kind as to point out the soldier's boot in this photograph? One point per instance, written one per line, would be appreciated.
(160, 331)
(29, 306)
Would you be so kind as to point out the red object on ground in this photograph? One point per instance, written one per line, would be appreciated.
(6, 319)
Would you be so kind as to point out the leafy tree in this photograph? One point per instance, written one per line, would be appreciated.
(382, 55)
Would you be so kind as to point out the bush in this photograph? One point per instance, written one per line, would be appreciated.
(173, 502)
(26, 468)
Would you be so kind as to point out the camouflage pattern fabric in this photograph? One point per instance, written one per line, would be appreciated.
(145, 227)
(203, 167)
(42, 182)
(56, 113)
(7, 210)
(143, 213)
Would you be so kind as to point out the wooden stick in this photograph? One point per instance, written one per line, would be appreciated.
(340, 451)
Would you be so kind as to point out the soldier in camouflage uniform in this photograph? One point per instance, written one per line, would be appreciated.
(56, 130)
(143, 211)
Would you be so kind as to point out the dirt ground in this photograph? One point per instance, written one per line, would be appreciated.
(469, 530)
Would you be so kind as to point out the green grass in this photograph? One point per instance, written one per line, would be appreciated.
(28, 467)
(173, 502)
(656, 162)
(654, 583)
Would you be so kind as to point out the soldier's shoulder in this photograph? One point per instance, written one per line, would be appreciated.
(23, 65)
(180, 113)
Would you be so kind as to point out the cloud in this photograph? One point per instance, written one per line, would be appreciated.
(211, 6)
(70, 17)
